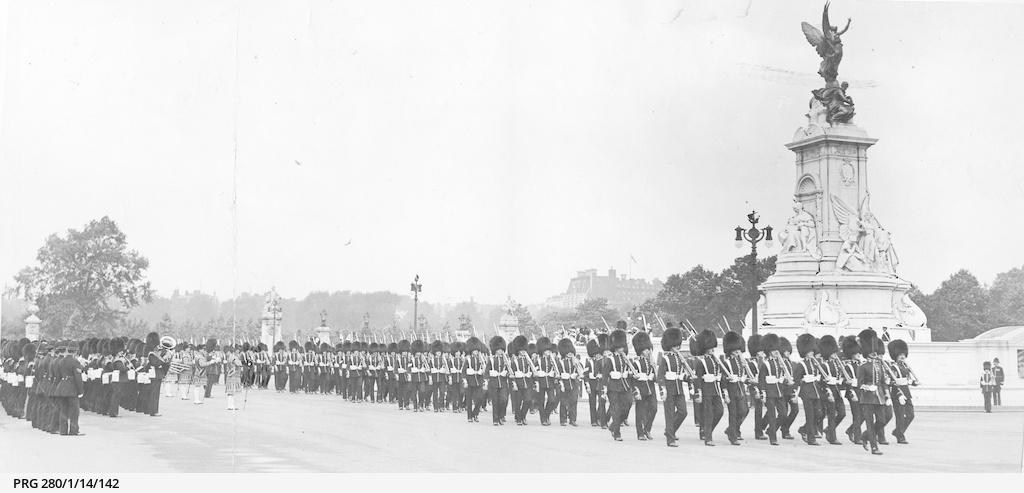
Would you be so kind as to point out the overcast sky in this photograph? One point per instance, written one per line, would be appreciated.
(493, 148)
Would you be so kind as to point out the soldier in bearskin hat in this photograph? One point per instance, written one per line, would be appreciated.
(672, 373)
(792, 408)
(533, 391)
(421, 394)
(696, 385)
(902, 403)
(68, 389)
(851, 360)
(988, 384)
(436, 362)
(118, 376)
(771, 382)
(498, 370)
(390, 366)
(807, 377)
(294, 367)
(871, 377)
(280, 366)
(643, 381)
(569, 379)
(309, 376)
(522, 369)
(456, 390)
(735, 381)
(833, 408)
(756, 396)
(592, 372)
(709, 373)
(474, 378)
(547, 383)
(615, 382)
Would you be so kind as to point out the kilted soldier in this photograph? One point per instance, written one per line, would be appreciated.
(280, 366)
(232, 375)
(833, 406)
(498, 370)
(456, 390)
(547, 393)
(592, 370)
(419, 372)
(522, 369)
(852, 359)
(474, 378)
(807, 377)
(709, 372)
(294, 367)
(615, 382)
(216, 361)
(756, 396)
(735, 380)
(672, 370)
(871, 377)
(187, 358)
(792, 409)
(643, 380)
(771, 382)
(902, 403)
(403, 368)
(69, 388)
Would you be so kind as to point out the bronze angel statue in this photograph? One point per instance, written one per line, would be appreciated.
(828, 45)
(867, 246)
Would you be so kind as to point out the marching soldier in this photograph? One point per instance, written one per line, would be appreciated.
(309, 373)
(547, 400)
(851, 361)
(474, 378)
(709, 373)
(756, 396)
(672, 370)
(391, 364)
(988, 384)
(833, 376)
(697, 385)
(280, 367)
(871, 376)
(569, 375)
(807, 376)
(456, 389)
(419, 376)
(902, 405)
(615, 382)
(497, 382)
(792, 409)
(438, 375)
(522, 369)
(294, 367)
(771, 381)
(404, 372)
(646, 394)
(735, 384)
(592, 370)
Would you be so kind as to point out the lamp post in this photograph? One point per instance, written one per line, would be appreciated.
(416, 287)
(752, 236)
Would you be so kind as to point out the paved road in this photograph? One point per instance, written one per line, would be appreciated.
(322, 433)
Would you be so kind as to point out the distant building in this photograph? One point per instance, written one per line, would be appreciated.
(621, 292)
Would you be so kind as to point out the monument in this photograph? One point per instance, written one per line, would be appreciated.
(323, 332)
(32, 323)
(836, 273)
(270, 329)
(508, 324)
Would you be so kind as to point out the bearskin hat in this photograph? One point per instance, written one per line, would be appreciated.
(404, 346)
(986, 365)
(324, 347)
(393, 347)
(458, 347)
(497, 343)
(642, 342)
(566, 347)
(29, 352)
(261, 347)
(105, 347)
(827, 346)
(246, 346)
(519, 343)
(435, 347)
(445, 348)
(671, 338)
(152, 341)
(23, 342)
(116, 346)
(346, 346)
(543, 344)
(732, 341)
(292, 345)
(805, 343)
(308, 346)
(140, 349)
(418, 346)
(621, 325)
(785, 346)
(602, 339)
(278, 346)
(879, 347)
(474, 344)
(754, 344)
(617, 340)
(593, 348)
(850, 347)
(769, 343)
(867, 338)
(531, 349)
(13, 351)
(211, 344)
(706, 341)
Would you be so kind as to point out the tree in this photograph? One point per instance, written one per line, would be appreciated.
(735, 296)
(1006, 299)
(686, 296)
(956, 310)
(78, 277)
(591, 311)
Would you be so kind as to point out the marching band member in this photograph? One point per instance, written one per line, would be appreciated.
(569, 377)
(187, 358)
(671, 374)
(592, 370)
(547, 398)
(643, 381)
(474, 378)
(735, 384)
(871, 377)
(834, 409)
(200, 366)
(232, 375)
(852, 359)
(792, 409)
(708, 371)
(248, 365)
(497, 382)
(807, 377)
(756, 396)
(902, 405)
(615, 382)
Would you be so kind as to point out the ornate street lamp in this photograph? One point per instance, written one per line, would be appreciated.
(753, 235)
(416, 287)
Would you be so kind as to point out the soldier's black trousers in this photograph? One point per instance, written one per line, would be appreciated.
(211, 378)
(69, 409)
(520, 404)
(812, 407)
(857, 419)
(760, 424)
(988, 401)
(547, 403)
(997, 395)
(294, 381)
(116, 390)
(787, 420)
(440, 392)
(646, 411)
(774, 407)
(619, 405)
(280, 380)
(675, 414)
(153, 405)
(567, 407)
(738, 410)
(835, 412)
(422, 396)
(712, 410)
(874, 415)
(598, 408)
(499, 403)
(474, 396)
(904, 414)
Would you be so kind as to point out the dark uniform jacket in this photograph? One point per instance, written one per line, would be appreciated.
(69, 372)
(770, 379)
(808, 389)
(497, 371)
(871, 377)
(644, 377)
(474, 371)
(618, 364)
(708, 365)
(671, 364)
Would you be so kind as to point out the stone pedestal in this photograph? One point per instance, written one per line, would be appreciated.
(808, 294)
(32, 323)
